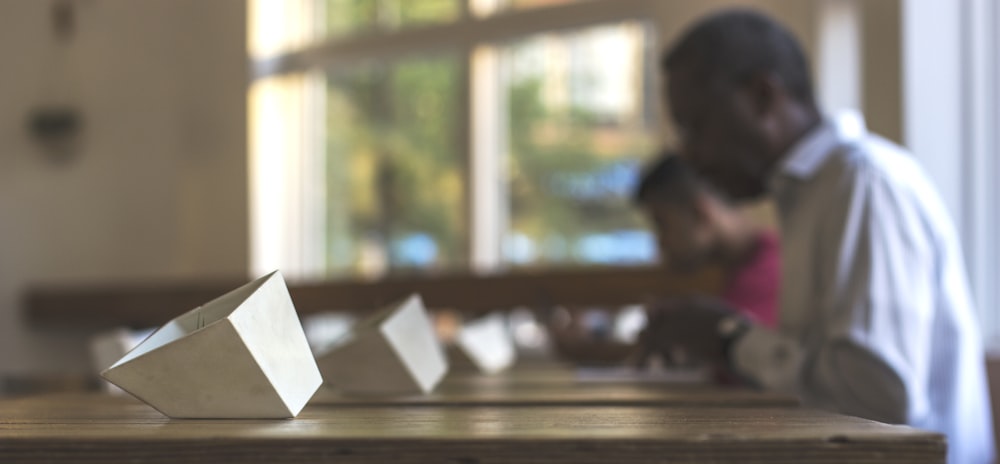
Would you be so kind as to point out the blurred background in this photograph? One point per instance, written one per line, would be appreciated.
(332, 139)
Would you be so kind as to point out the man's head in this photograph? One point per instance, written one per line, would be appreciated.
(739, 91)
(685, 213)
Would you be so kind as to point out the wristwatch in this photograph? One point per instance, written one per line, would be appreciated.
(730, 329)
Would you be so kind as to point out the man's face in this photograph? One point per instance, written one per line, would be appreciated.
(684, 237)
(721, 134)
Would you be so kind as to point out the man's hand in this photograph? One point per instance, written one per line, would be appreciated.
(689, 327)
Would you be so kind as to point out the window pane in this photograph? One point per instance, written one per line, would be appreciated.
(281, 26)
(395, 180)
(286, 175)
(347, 17)
(489, 7)
(579, 130)
(522, 4)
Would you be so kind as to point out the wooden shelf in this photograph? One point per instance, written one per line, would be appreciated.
(147, 305)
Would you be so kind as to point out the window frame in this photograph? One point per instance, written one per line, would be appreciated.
(477, 38)
(951, 109)
(979, 163)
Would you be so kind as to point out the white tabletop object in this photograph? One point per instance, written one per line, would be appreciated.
(393, 352)
(242, 355)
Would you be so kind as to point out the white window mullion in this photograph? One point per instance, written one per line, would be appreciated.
(993, 48)
(343, 53)
(838, 61)
(287, 171)
(488, 173)
(311, 254)
(950, 121)
(979, 157)
(933, 113)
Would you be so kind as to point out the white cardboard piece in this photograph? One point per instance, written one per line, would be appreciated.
(242, 355)
(393, 352)
(485, 344)
(106, 348)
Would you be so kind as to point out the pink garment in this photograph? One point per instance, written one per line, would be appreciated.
(753, 288)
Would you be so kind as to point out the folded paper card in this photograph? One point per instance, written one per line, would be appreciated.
(106, 348)
(484, 345)
(242, 355)
(394, 352)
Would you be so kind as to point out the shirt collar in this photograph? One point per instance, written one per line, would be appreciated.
(806, 156)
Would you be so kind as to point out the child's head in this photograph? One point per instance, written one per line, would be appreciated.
(693, 224)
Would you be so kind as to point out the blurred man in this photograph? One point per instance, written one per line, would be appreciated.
(875, 316)
(696, 227)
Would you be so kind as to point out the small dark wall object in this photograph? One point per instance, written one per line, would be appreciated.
(63, 19)
(57, 129)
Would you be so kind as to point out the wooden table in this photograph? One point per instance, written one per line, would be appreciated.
(561, 386)
(552, 384)
(93, 428)
(596, 395)
(527, 375)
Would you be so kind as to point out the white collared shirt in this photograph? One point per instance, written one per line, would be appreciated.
(876, 319)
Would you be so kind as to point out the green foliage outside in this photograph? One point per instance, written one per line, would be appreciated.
(551, 146)
(393, 167)
(396, 164)
(345, 17)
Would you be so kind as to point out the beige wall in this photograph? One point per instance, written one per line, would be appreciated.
(157, 188)
(882, 67)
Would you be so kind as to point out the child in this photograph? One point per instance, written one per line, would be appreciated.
(697, 227)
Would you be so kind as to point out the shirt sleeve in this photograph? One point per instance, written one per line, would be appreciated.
(861, 347)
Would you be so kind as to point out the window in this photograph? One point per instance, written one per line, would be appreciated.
(352, 17)
(953, 108)
(392, 136)
(395, 183)
(980, 151)
(577, 130)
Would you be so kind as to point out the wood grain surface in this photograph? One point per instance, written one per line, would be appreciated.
(556, 395)
(104, 429)
(548, 383)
